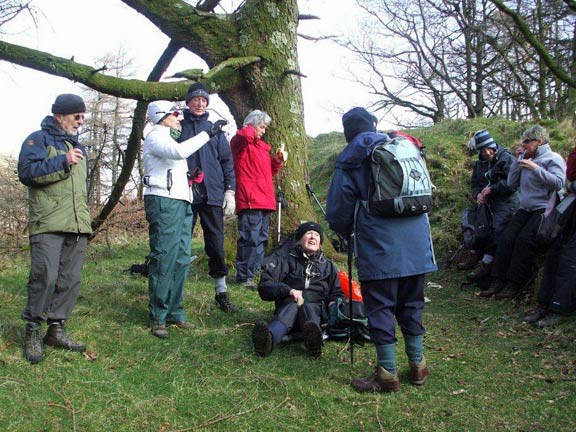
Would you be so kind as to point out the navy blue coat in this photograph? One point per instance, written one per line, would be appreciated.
(215, 158)
(385, 248)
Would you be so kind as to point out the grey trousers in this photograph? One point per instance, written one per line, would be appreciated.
(55, 275)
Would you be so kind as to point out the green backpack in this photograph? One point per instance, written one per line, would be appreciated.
(339, 321)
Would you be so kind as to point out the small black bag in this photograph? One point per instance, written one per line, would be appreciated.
(552, 222)
(477, 226)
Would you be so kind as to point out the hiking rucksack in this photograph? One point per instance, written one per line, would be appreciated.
(339, 321)
(476, 226)
(401, 184)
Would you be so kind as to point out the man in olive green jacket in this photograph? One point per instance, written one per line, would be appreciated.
(54, 166)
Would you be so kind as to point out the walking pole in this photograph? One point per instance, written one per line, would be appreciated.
(280, 200)
(350, 331)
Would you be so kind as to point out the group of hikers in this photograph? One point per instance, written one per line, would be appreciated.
(192, 172)
(519, 191)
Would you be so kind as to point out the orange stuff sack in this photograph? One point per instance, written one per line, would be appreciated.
(345, 285)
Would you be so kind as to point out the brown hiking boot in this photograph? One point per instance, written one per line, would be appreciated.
(312, 338)
(481, 271)
(510, 291)
(33, 346)
(186, 325)
(495, 287)
(262, 339)
(419, 372)
(380, 381)
(159, 330)
(57, 337)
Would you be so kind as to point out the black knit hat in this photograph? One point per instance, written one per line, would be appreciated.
(68, 104)
(357, 120)
(197, 89)
(309, 226)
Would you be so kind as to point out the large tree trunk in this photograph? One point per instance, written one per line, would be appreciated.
(253, 63)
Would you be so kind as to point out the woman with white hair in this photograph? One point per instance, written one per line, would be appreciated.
(254, 168)
(167, 202)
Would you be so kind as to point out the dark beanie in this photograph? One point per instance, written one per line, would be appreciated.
(309, 226)
(357, 120)
(197, 89)
(68, 104)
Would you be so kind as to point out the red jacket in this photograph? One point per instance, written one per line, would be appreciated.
(254, 169)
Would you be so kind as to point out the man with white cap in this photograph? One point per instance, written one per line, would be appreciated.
(167, 201)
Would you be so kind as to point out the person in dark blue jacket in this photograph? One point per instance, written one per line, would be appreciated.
(392, 256)
(212, 172)
(54, 166)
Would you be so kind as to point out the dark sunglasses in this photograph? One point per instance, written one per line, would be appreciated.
(79, 117)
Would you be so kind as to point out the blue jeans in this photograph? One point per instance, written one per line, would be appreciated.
(253, 231)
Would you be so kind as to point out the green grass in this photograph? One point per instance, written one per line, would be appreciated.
(489, 371)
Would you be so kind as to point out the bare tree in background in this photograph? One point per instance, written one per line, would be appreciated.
(13, 205)
(436, 59)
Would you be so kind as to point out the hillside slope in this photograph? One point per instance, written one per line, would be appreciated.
(449, 164)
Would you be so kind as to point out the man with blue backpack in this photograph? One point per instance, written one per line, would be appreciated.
(393, 250)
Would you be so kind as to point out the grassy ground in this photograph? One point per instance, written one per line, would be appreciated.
(490, 372)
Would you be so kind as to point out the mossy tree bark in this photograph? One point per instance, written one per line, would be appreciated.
(253, 64)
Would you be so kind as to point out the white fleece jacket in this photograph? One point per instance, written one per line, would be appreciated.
(165, 164)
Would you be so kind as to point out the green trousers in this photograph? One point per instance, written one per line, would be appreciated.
(170, 225)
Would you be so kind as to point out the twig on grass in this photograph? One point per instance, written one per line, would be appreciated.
(67, 406)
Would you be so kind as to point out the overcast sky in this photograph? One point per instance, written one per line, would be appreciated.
(89, 29)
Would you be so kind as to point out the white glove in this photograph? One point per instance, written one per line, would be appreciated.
(229, 204)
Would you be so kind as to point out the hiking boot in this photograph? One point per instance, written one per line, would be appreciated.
(510, 291)
(33, 346)
(536, 315)
(262, 339)
(57, 337)
(419, 372)
(186, 325)
(380, 381)
(250, 284)
(495, 287)
(224, 303)
(469, 262)
(481, 271)
(159, 330)
(550, 320)
(312, 338)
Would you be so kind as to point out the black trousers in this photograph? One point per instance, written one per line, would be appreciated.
(558, 285)
(212, 222)
(514, 260)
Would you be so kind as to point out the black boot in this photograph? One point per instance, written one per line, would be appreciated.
(224, 303)
(33, 351)
(312, 338)
(57, 337)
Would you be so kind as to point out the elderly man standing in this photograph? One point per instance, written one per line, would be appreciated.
(54, 166)
(212, 174)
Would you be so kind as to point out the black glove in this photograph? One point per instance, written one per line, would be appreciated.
(216, 128)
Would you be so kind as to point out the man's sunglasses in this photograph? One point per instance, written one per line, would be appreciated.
(79, 117)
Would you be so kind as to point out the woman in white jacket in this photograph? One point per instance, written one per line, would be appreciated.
(167, 202)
